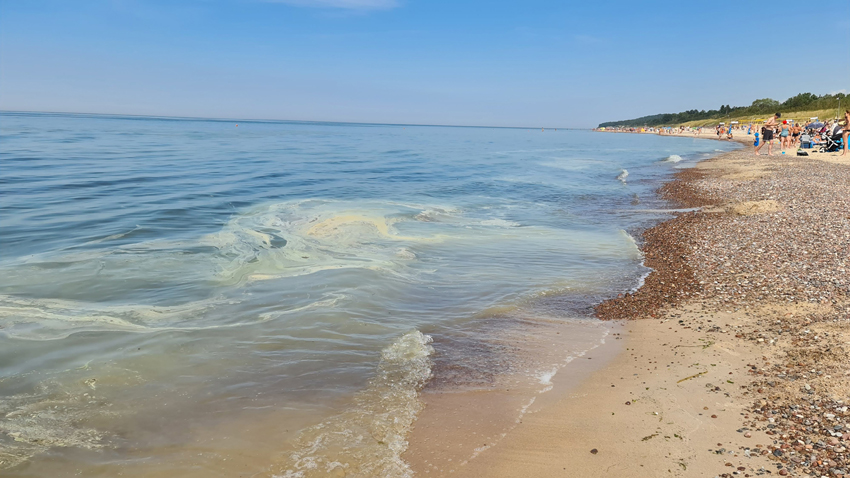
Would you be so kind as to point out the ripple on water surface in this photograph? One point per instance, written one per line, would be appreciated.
(187, 298)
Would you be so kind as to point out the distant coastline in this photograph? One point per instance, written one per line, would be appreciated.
(802, 106)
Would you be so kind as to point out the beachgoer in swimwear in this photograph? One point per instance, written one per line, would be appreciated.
(784, 134)
(767, 134)
(846, 135)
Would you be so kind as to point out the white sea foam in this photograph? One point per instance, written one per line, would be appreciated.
(673, 158)
(368, 439)
(545, 378)
(51, 416)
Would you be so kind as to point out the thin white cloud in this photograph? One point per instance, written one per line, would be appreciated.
(843, 90)
(343, 4)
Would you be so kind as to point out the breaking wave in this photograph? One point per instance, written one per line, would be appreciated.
(622, 176)
(368, 439)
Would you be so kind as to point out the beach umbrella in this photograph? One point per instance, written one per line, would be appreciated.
(816, 124)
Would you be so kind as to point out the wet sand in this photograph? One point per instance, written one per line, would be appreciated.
(733, 357)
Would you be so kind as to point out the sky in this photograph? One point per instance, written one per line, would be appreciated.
(496, 63)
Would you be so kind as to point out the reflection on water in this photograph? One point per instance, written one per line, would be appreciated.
(185, 298)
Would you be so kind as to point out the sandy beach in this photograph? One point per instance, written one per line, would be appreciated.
(731, 360)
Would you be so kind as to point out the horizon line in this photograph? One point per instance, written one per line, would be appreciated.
(247, 120)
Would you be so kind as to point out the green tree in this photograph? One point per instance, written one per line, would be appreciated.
(765, 105)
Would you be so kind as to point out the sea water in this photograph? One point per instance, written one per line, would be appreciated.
(183, 297)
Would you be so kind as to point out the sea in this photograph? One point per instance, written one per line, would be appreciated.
(199, 297)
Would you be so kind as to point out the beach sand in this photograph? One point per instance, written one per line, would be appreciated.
(731, 360)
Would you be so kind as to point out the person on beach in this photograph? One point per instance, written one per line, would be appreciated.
(846, 135)
(796, 131)
(756, 142)
(784, 135)
(767, 134)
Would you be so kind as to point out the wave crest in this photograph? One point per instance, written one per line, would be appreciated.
(368, 439)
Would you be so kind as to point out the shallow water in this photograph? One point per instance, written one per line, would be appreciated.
(197, 298)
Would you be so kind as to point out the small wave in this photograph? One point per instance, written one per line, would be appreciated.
(437, 214)
(673, 158)
(368, 439)
(499, 223)
(622, 176)
(633, 243)
(406, 254)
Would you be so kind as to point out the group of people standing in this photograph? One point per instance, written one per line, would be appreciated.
(789, 134)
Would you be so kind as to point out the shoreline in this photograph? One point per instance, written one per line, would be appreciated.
(688, 395)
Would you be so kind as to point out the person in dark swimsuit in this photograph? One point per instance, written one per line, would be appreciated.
(795, 134)
(767, 134)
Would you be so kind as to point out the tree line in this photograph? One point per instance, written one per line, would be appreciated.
(765, 106)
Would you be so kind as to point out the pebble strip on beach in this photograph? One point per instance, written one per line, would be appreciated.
(772, 231)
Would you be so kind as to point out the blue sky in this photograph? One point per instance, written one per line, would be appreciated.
(529, 63)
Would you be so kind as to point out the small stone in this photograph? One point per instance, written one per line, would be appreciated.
(714, 416)
(747, 435)
(594, 451)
